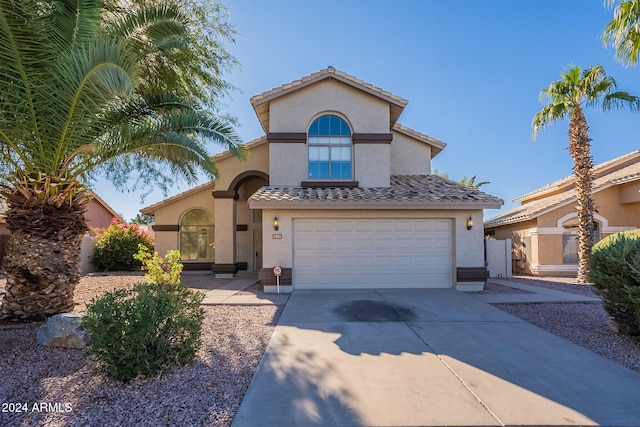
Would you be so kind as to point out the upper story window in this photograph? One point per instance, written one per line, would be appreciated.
(330, 149)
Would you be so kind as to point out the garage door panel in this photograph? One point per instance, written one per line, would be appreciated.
(372, 253)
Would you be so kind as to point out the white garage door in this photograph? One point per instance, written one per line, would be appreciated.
(380, 253)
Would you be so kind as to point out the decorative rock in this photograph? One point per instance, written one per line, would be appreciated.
(63, 330)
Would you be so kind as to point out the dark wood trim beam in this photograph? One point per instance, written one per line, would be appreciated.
(472, 274)
(267, 278)
(330, 184)
(287, 137)
(224, 268)
(372, 138)
(197, 265)
(165, 227)
(221, 194)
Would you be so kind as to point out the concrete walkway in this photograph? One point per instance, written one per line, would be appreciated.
(427, 357)
(538, 294)
(229, 294)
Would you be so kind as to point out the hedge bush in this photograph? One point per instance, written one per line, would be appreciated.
(142, 332)
(615, 273)
(116, 245)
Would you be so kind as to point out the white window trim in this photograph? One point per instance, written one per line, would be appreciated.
(559, 229)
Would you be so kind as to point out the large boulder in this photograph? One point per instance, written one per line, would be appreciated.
(63, 330)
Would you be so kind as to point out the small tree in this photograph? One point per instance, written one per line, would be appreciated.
(160, 270)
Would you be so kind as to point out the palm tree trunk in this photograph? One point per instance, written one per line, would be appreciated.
(42, 262)
(580, 149)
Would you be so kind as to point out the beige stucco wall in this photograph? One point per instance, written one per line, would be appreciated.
(372, 165)
(409, 157)
(288, 164)
(630, 192)
(468, 244)
(230, 167)
(295, 112)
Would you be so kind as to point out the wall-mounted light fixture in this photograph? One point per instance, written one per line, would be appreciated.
(276, 223)
(469, 223)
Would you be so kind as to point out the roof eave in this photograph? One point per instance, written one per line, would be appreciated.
(372, 205)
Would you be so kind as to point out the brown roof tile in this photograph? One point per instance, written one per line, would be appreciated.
(429, 190)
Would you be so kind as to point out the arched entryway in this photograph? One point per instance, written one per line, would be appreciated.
(238, 231)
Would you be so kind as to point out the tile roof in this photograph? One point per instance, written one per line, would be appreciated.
(420, 191)
(437, 145)
(535, 208)
(598, 171)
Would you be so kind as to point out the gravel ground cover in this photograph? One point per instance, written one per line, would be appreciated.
(234, 339)
(66, 391)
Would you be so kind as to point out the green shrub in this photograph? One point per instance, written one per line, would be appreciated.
(160, 270)
(143, 331)
(615, 273)
(116, 245)
(629, 234)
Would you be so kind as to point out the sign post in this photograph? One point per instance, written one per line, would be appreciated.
(277, 271)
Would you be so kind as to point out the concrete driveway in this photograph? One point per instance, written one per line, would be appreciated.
(427, 357)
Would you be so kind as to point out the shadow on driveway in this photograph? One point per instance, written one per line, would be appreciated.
(427, 357)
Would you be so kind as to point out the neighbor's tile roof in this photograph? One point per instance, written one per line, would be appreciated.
(534, 209)
(428, 190)
(598, 171)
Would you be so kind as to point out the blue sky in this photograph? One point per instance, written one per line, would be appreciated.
(471, 70)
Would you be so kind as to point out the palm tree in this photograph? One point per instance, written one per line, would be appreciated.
(565, 98)
(623, 31)
(74, 102)
(471, 182)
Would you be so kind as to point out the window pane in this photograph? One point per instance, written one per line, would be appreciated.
(314, 140)
(319, 169)
(197, 236)
(324, 123)
(314, 129)
(570, 248)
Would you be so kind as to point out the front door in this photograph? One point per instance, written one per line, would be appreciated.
(257, 250)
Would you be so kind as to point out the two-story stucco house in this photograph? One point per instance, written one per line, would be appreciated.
(336, 192)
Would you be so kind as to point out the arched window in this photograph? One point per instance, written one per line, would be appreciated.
(330, 149)
(196, 236)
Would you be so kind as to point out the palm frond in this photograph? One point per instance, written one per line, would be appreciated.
(623, 31)
(621, 100)
(549, 114)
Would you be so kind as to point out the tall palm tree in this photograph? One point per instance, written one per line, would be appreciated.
(74, 101)
(565, 98)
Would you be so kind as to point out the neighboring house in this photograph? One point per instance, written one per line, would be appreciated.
(544, 228)
(98, 214)
(337, 193)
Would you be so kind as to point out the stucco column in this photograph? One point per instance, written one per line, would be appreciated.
(225, 236)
